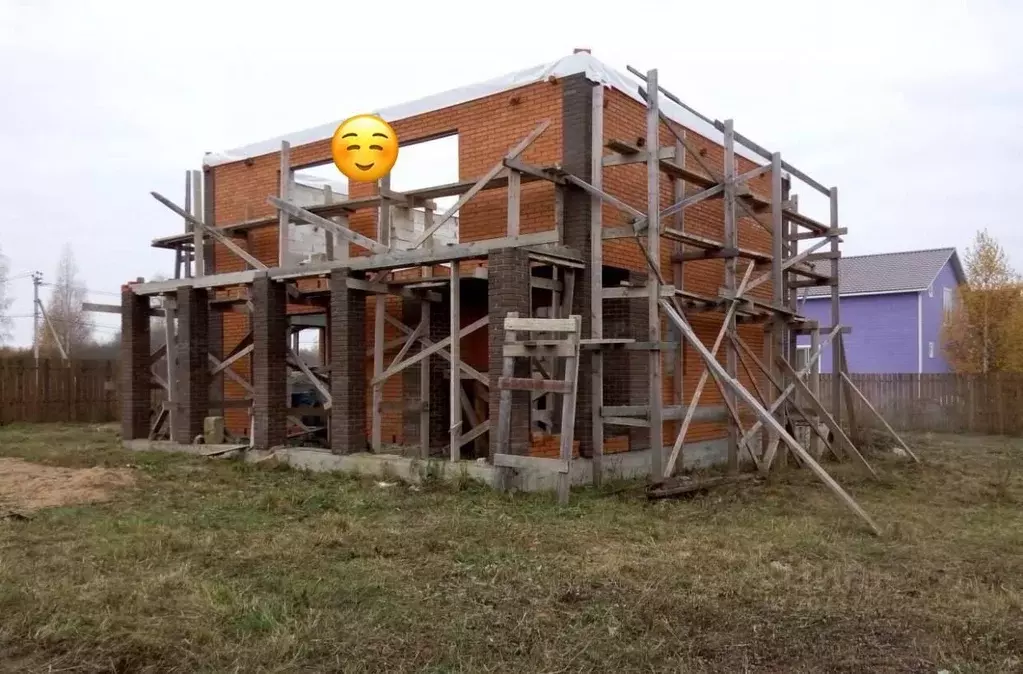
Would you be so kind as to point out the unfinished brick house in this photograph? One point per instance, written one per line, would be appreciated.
(581, 193)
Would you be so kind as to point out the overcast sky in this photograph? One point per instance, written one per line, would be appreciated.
(914, 109)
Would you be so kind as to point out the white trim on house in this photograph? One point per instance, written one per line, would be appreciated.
(920, 333)
(882, 292)
(593, 69)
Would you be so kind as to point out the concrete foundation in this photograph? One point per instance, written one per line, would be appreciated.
(626, 465)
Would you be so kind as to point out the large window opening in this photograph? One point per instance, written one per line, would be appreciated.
(425, 164)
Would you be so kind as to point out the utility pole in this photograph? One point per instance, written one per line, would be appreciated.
(37, 279)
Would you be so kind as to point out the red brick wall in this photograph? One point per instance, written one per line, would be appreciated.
(487, 128)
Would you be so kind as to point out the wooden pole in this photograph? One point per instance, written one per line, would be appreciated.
(836, 311)
(653, 169)
(731, 240)
(424, 366)
(778, 247)
(596, 282)
(456, 371)
(188, 225)
(815, 388)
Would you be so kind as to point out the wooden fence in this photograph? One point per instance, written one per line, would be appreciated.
(942, 403)
(80, 390)
(86, 391)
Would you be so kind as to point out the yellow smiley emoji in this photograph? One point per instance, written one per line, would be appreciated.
(364, 148)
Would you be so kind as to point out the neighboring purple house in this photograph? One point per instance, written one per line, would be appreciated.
(894, 303)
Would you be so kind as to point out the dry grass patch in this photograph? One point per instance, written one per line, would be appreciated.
(26, 486)
(220, 566)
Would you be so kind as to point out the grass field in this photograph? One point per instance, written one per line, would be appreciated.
(217, 566)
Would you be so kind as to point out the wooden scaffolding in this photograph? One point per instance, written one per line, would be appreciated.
(426, 274)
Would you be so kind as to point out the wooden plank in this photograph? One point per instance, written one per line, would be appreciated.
(731, 240)
(213, 232)
(424, 367)
(475, 432)
(852, 387)
(505, 396)
(230, 360)
(313, 379)
(456, 358)
(812, 358)
(182, 256)
(653, 281)
(431, 349)
(392, 260)
(198, 245)
(835, 427)
(568, 407)
(170, 312)
(529, 384)
(836, 308)
(559, 349)
(539, 324)
(330, 226)
(482, 182)
(465, 367)
(514, 199)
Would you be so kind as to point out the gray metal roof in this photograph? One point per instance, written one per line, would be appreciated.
(907, 271)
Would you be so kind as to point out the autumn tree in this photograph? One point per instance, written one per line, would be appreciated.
(65, 317)
(6, 298)
(983, 332)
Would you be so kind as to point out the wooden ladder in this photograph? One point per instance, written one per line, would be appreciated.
(566, 348)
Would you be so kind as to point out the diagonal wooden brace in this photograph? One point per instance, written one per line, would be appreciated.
(765, 416)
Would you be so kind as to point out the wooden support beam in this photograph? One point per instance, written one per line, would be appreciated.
(433, 348)
(731, 240)
(198, 244)
(328, 400)
(676, 449)
(230, 360)
(330, 226)
(182, 255)
(852, 388)
(424, 368)
(836, 307)
(465, 367)
(653, 174)
(835, 427)
(456, 358)
(212, 231)
(170, 341)
(812, 358)
(766, 417)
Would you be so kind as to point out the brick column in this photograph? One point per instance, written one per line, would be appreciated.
(576, 152)
(508, 290)
(269, 368)
(193, 367)
(216, 319)
(348, 431)
(135, 391)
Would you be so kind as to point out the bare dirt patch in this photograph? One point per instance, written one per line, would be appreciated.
(27, 486)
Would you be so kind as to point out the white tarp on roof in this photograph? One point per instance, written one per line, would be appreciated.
(582, 62)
